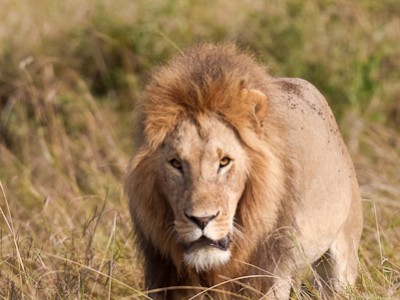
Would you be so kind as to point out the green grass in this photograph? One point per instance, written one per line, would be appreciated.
(70, 74)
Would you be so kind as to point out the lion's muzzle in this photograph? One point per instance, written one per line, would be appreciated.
(202, 222)
(205, 253)
(222, 244)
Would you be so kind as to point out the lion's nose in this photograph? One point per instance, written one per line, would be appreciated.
(201, 221)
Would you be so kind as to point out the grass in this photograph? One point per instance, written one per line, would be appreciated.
(69, 77)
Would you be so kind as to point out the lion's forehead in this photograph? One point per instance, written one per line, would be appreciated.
(209, 139)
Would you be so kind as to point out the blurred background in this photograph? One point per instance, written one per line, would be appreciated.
(70, 74)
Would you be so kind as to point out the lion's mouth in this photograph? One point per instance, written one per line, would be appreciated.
(222, 244)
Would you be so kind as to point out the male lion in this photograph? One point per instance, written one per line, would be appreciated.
(240, 181)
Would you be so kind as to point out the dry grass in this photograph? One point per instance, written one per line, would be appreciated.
(69, 76)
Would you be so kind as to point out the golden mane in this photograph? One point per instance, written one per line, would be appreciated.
(210, 80)
(206, 78)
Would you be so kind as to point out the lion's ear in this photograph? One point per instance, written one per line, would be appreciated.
(258, 103)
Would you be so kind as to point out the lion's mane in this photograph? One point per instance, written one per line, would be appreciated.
(208, 79)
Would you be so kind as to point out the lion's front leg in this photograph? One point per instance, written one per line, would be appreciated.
(160, 273)
(280, 289)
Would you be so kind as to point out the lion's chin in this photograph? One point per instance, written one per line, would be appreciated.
(205, 254)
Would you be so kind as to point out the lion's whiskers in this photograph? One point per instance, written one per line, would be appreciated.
(238, 235)
(171, 233)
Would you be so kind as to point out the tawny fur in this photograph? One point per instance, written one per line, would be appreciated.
(273, 240)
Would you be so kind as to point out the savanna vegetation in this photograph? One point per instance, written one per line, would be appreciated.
(70, 74)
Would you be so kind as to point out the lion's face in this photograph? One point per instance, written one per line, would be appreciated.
(202, 175)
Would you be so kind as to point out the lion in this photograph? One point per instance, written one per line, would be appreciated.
(240, 182)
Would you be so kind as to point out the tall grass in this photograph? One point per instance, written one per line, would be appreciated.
(70, 74)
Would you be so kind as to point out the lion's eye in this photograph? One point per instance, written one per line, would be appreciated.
(224, 162)
(176, 163)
